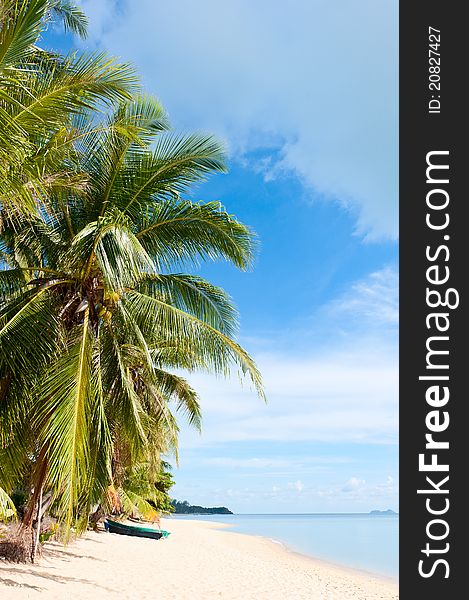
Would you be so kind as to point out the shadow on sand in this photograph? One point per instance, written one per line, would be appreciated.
(63, 579)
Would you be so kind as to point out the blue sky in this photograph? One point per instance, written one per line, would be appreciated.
(305, 98)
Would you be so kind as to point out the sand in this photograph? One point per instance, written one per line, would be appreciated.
(199, 561)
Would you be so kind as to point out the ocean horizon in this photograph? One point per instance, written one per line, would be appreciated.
(369, 542)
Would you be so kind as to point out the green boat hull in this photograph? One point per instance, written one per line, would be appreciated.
(135, 531)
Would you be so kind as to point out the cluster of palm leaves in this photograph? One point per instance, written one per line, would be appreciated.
(98, 317)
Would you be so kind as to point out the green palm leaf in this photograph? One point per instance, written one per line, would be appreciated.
(7, 508)
(156, 317)
(181, 231)
(176, 163)
(196, 296)
(30, 331)
(64, 414)
(72, 17)
(21, 25)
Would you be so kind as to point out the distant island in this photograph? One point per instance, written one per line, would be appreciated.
(184, 508)
(383, 512)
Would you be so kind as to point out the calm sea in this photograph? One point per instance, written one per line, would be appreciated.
(368, 542)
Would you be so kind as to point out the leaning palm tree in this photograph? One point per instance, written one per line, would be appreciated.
(40, 93)
(97, 313)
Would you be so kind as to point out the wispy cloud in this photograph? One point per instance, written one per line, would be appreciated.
(297, 485)
(273, 463)
(348, 396)
(344, 389)
(373, 301)
(353, 484)
(358, 489)
(356, 494)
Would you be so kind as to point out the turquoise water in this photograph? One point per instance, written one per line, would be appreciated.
(361, 541)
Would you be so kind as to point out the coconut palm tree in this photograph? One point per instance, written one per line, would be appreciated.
(145, 492)
(40, 93)
(96, 314)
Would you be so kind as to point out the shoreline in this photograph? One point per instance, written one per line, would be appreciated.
(326, 562)
(200, 560)
(303, 555)
(394, 579)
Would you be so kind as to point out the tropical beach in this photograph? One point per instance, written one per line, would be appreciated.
(199, 560)
(96, 317)
(156, 277)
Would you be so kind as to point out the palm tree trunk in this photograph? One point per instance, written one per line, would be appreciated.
(34, 506)
(36, 535)
(39, 479)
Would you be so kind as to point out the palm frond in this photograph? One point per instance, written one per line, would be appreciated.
(195, 296)
(12, 281)
(20, 27)
(176, 388)
(59, 87)
(64, 403)
(110, 244)
(73, 18)
(30, 333)
(175, 232)
(124, 405)
(156, 318)
(134, 503)
(176, 163)
(7, 507)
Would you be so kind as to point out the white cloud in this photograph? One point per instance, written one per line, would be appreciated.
(371, 301)
(317, 82)
(347, 396)
(355, 494)
(269, 464)
(297, 485)
(344, 391)
(357, 489)
(353, 484)
(340, 397)
(246, 463)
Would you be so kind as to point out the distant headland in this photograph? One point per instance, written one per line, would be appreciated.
(383, 512)
(184, 508)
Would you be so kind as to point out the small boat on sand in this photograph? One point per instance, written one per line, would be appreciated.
(146, 532)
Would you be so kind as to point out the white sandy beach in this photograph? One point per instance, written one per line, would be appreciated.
(199, 561)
